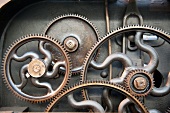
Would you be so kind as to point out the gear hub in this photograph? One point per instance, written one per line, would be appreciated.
(36, 68)
(139, 82)
(71, 44)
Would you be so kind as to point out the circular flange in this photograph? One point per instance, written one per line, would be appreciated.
(36, 68)
(81, 32)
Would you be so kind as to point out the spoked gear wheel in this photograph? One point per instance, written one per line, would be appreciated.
(35, 69)
(77, 34)
(105, 84)
(139, 82)
(126, 61)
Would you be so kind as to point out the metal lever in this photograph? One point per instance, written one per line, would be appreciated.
(131, 12)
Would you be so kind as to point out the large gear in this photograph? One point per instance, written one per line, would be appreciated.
(77, 34)
(139, 82)
(107, 84)
(128, 63)
(116, 32)
(36, 68)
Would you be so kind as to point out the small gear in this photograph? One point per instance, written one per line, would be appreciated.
(139, 82)
(96, 83)
(26, 64)
(77, 34)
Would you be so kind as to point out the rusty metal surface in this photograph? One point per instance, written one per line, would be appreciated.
(82, 32)
(141, 71)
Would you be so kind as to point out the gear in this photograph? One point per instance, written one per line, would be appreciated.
(108, 84)
(139, 82)
(77, 34)
(36, 67)
(113, 34)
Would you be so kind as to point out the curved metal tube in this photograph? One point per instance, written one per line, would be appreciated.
(107, 100)
(125, 60)
(159, 92)
(96, 107)
(48, 56)
(46, 85)
(54, 72)
(122, 77)
(123, 104)
(154, 60)
(22, 77)
(25, 56)
(162, 91)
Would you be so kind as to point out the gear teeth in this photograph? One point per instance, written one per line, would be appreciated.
(95, 83)
(130, 75)
(113, 34)
(80, 17)
(9, 49)
(73, 15)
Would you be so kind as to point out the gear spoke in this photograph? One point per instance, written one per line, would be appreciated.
(162, 91)
(46, 53)
(55, 69)
(107, 100)
(37, 68)
(23, 77)
(25, 56)
(111, 58)
(153, 63)
(46, 85)
(96, 107)
(123, 104)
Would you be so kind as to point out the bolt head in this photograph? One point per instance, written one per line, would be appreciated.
(36, 68)
(103, 74)
(70, 44)
(140, 83)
